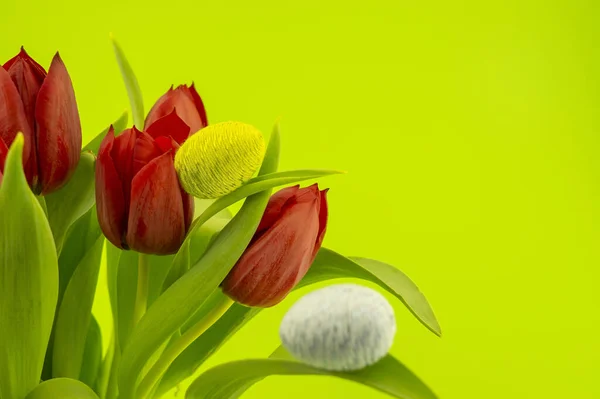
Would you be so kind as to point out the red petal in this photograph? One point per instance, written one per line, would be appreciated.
(23, 55)
(3, 154)
(110, 201)
(271, 267)
(156, 217)
(28, 77)
(58, 128)
(185, 101)
(199, 107)
(122, 155)
(170, 125)
(323, 214)
(144, 151)
(12, 116)
(188, 209)
(166, 144)
(275, 207)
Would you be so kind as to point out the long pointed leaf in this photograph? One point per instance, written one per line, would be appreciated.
(231, 380)
(75, 312)
(131, 84)
(28, 280)
(92, 355)
(73, 200)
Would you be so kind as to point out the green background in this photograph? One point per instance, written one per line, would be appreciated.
(470, 131)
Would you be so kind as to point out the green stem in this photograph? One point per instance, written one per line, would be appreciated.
(141, 296)
(178, 346)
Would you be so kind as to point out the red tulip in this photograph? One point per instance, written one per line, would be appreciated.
(43, 107)
(188, 104)
(282, 249)
(140, 204)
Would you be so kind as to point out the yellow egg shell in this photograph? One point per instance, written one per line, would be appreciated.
(219, 158)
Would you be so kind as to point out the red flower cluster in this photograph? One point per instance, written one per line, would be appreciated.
(141, 205)
(42, 106)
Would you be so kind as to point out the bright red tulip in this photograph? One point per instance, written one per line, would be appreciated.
(188, 104)
(140, 203)
(282, 249)
(43, 107)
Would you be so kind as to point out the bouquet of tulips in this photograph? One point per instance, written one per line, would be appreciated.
(184, 272)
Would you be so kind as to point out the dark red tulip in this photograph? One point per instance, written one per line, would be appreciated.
(140, 204)
(43, 107)
(283, 248)
(188, 104)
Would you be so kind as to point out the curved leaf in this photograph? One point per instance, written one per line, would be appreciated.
(119, 125)
(231, 380)
(131, 84)
(92, 354)
(75, 312)
(327, 265)
(178, 303)
(73, 200)
(79, 239)
(199, 240)
(63, 388)
(28, 280)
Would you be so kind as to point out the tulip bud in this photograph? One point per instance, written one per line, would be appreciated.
(141, 205)
(342, 327)
(283, 248)
(188, 104)
(43, 107)
(219, 159)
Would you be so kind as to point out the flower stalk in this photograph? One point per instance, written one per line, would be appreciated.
(179, 345)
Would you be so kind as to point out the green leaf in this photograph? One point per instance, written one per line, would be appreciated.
(199, 240)
(69, 203)
(328, 265)
(131, 84)
(28, 280)
(104, 373)
(119, 125)
(63, 388)
(178, 303)
(231, 380)
(79, 239)
(253, 186)
(75, 312)
(111, 364)
(92, 354)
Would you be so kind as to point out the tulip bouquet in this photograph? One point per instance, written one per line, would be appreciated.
(184, 272)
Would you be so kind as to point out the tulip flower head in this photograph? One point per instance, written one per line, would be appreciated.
(188, 104)
(219, 159)
(42, 106)
(141, 205)
(343, 327)
(284, 246)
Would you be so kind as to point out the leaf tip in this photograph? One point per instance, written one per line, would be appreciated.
(15, 152)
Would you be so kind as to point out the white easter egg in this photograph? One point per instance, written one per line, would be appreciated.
(341, 327)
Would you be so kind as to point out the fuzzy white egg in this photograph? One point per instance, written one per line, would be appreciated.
(341, 327)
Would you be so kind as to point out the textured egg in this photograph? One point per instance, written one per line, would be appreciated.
(219, 158)
(341, 327)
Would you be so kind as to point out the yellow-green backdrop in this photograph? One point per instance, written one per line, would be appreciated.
(470, 131)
